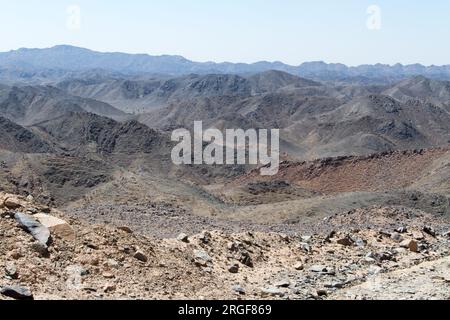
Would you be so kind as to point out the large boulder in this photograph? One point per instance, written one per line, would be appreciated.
(34, 227)
(13, 202)
(56, 226)
(17, 292)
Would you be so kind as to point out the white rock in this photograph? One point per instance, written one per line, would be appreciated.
(56, 226)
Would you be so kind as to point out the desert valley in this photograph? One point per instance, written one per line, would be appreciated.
(92, 206)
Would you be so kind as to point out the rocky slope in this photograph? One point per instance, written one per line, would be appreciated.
(33, 104)
(45, 255)
(18, 139)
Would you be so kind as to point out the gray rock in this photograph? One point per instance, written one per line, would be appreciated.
(304, 247)
(299, 266)
(34, 227)
(17, 292)
(318, 268)
(335, 285)
(202, 258)
(274, 292)
(183, 237)
(374, 270)
(238, 289)
(205, 237)
(401, 230)
(430, 231)
(383, 256)
(139, 255)
(397, 237)
(11, 270)
(246, 259)
(360, 242)
(285, 283)
(113, 264)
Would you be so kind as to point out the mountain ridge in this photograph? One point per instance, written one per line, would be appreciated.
(65, 57)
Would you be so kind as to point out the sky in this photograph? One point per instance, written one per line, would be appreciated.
(353, 32)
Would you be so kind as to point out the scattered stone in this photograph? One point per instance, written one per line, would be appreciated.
(113, 264)
(108, 288)
(17, 292)
(207, 270)
(12, 203)
(125, 229)
(336, 285)
(412, 245)
(330, 236)
(401, 230)
(299, 266)
(108, 275)
(34, 227)
(233, 246)
(283, 283)
(346, 241)
(246, 259)
(56, 226)
(430, 231)
(318, 268)
(399, 250)
(92, 260)
(11, 270)
(417, 235)
(205, 237)
(360, 242)
(88, 243)
(273, 292)
(322, 293)
(183, 238)
(374, 270)
(30, 198)
(383, 256)
(139, 255)
(304, 247)
(76, 270)
(201, 258)
(397, 237)
(238, 289)
(234, 268)
(384, 233)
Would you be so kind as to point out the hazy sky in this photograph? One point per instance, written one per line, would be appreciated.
(292, 31)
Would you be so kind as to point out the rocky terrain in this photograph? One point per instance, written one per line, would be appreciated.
(92, 207)
(363, 254)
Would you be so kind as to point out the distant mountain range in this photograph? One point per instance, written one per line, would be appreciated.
(59, 60)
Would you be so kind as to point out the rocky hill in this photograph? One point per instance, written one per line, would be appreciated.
(18, 139)
(86, 130)
(32, 104)
(46, 255)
